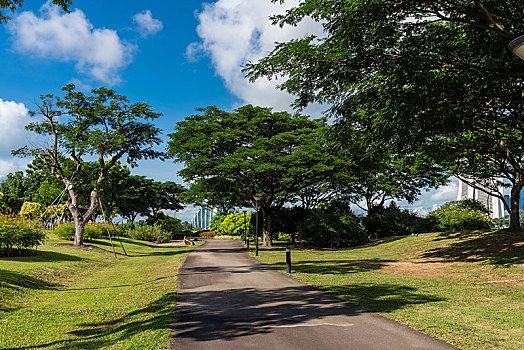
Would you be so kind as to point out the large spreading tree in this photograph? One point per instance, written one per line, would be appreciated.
(420, 73)
(256, 152)
(102, 125)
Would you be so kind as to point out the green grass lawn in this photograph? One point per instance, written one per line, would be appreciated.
(465, 288)
(83, 298)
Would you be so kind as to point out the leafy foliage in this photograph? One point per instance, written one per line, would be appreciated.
(462, 215)
(394, 221)
(417, 77)
(92, 230)
(253, 150)
(104, 125)
(327, 228)
(31, 210)
(232, 224)
(18, 234)
(151, 233)
(168, 223)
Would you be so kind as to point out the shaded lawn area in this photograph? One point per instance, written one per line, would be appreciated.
(83, 298)
(464, 288)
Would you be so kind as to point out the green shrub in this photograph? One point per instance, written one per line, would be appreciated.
(283, 236)
(93, 230)
(18, 234)
(287, 220)
(328, 228)
(462, 215)
(65, 230)
(151, 233)
(216, 220)
(168, 223)
(393, 221)
(233, 224)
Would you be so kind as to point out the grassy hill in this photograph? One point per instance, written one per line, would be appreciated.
(85, 298)
(464, 288)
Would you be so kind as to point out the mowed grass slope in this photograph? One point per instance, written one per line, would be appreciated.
(83, 298)
(464, 288)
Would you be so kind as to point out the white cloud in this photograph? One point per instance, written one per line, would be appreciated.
(70, 37)
(13, 119)
(146, 24)
(234, 32)
(446, 193)
(431, 200)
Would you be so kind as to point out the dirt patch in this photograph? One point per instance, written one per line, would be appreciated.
(421, 269)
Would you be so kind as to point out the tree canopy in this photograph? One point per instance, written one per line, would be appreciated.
(104, 125)
(418, 74)
(255, 151)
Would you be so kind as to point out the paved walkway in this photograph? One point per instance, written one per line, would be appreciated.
(230, 301)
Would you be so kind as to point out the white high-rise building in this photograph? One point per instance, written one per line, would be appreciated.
(492, 203)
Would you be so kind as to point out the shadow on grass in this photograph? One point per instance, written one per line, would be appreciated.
(42, 256)
(335, 267)
(382, 297)
(105, 245)
(119, 285)
(159, 315)
(503, 247)
(16, 281)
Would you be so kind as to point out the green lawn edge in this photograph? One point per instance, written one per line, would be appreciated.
(464, 288)
(84, 298)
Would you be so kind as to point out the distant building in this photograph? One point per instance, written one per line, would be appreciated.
(494, 204)
(202, 218)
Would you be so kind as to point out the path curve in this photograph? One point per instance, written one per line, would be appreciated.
(229, 300)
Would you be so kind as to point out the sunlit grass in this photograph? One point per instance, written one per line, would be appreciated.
(464, 288)
(85, 298)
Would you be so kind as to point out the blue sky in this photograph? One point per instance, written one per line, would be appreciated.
(173, 55)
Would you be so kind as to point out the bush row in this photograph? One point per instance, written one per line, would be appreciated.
(334, 225)
(17, 234)
(93, 230)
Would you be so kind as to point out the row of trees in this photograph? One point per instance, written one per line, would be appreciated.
(281, 158)
(418, 77)
(123, 194)
(420, 90)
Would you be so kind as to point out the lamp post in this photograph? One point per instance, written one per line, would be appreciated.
(517, 46)
(257, 200)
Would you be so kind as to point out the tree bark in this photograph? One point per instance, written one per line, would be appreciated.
(267, 239)
(79, 232)
(514, 215)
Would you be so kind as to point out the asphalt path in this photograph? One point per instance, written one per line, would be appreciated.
(230, 300)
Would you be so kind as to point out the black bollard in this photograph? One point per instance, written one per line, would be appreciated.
(288, 260)
(247, 243)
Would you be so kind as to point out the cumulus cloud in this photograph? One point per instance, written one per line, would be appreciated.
(234, 32)
(70, 37)
(13, 119)
(431, 200)
(146, 24)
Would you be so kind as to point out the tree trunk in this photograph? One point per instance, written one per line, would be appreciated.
(514, 215)
(267, 240)
(79, 232)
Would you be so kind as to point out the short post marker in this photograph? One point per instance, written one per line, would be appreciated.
(247, 243)
(288, 260)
